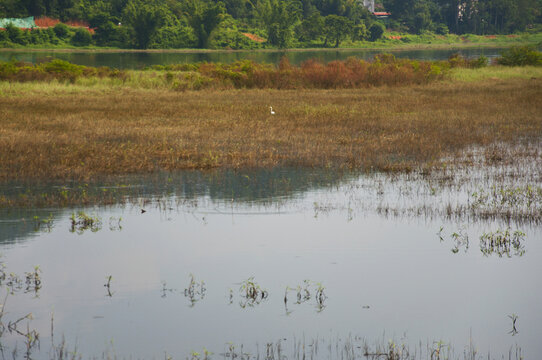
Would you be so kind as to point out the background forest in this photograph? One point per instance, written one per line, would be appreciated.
(250, 24)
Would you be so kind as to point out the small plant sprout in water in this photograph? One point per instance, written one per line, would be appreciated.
(33, 280)
(165, 289)
(514, 330)
(14, 283)
(232, 353)
(206, 355)
(82, 222)
(439, 234)
(251, 293)
(195, 291)
(320, 298)
(107, 286)
(45, 224)
(304, 292)
(459, 238)
(503, 243)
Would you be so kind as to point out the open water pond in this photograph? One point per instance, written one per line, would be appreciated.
(138, 60)
(279, 264)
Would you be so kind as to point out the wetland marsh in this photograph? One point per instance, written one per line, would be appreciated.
(386, 221)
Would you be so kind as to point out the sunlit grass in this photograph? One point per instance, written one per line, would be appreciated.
(495, 73)
(81, 131)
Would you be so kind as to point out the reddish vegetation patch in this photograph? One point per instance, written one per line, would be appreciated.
(254, 37)
(395, 37)
(46, 22)
(77, 23)
(491, 36)
(512, 36)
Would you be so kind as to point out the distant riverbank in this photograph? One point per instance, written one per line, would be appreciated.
(391, 42)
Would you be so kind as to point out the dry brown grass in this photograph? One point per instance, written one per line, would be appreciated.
(63, 132)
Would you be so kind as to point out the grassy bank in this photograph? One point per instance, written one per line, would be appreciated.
(92, 128)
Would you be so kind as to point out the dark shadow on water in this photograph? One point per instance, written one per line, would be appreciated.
(31, 209)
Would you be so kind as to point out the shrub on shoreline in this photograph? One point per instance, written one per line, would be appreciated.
(521, 56)
(56, 69)
(383, 70)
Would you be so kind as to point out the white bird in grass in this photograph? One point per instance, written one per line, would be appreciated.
(272, 111)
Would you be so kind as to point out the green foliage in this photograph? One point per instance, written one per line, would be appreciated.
(82, 37)
(16, 35)
(228, 36)
(53, 70)
(360, 32)
(204, 18)
(280, 22)
(457, 60)
(4, 36)
(284, 23)
(521, 56)
(376, 31)
(311, 27)
(442, 29)
(336, 28)
(62, 31)
(177, 36)
(145, 19)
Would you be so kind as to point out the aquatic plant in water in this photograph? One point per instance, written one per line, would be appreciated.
(251, 293)
(43, 223)
(503, 243)
(195, 290)
(305, 292)
(82, 222)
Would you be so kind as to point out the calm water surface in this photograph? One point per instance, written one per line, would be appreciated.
(381, 247)
(138, 60)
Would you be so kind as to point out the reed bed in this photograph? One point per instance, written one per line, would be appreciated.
(63, 131)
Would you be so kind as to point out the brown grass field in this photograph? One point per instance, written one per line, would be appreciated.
(51, 131)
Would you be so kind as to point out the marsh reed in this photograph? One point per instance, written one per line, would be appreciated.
(63, 131)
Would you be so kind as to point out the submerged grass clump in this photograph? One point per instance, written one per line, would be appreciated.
(509, 202)
(251, 293)
(82, 221)
(195, 291)
(305, 292)
(503, 243)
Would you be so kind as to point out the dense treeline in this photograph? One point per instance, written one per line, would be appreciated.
(465, 16)
(260, 23)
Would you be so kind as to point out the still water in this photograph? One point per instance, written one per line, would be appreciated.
(374, 258)
(138, 60)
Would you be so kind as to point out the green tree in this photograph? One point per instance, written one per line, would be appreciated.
(336, 28)
(82, 37)
(280, 18)
(376, 31)
(204, 17)
(144, 19)
(61, 30)
(360, 32)
(312, 27)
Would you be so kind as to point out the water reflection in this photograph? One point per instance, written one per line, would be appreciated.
(258, 187)
(139, 60)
